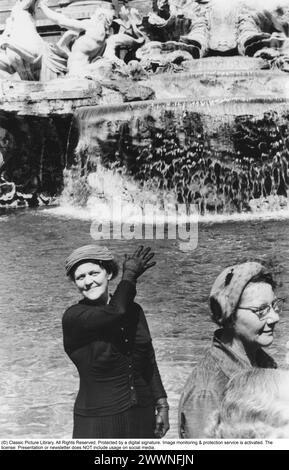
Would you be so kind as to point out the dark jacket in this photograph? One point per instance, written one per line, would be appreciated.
(206, 384)
(112, 349)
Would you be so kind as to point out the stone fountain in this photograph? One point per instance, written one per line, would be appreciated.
(188, 98)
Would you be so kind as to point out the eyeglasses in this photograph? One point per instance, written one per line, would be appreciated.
(262, 312)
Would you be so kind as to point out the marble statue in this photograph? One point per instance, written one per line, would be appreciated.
(176, 31)
(129, 35)
(23, 52)
(86, 38)
(217, 27)
(21, 45)
(90, 44)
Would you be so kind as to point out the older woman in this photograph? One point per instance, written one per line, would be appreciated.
(121, 394)
(244, 305)
(255, 405)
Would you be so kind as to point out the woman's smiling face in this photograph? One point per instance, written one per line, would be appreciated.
(247, 326)
(92, 281)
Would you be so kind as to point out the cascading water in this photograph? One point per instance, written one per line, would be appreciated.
(226, 156)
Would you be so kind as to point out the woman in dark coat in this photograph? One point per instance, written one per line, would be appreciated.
(121, 394)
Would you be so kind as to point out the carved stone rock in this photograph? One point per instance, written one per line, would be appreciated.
(131, 91)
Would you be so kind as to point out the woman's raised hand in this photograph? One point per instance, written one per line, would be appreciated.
(135, 265)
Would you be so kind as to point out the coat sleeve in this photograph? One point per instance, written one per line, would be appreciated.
(150, 370)
(156, 383)
(82, 322)
(196, 412)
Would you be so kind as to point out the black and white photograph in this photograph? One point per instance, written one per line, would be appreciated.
(144, 223)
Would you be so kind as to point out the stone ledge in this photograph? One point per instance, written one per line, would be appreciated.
(64, 96)
(61, 96)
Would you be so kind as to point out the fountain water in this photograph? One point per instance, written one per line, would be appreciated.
(223, 155)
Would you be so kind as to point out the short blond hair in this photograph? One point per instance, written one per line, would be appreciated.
(251, 406)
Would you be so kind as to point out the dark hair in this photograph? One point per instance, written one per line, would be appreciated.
(110, 266)
(217, 312)
(265, 277)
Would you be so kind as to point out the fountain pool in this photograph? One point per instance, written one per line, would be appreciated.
(39, 382)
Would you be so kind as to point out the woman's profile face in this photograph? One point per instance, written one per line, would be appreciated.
(92, 281)
(248, 327)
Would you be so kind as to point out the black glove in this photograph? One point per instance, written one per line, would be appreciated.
(135, 265)
(162, 418)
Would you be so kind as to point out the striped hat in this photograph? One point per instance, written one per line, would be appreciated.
(91, 253)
